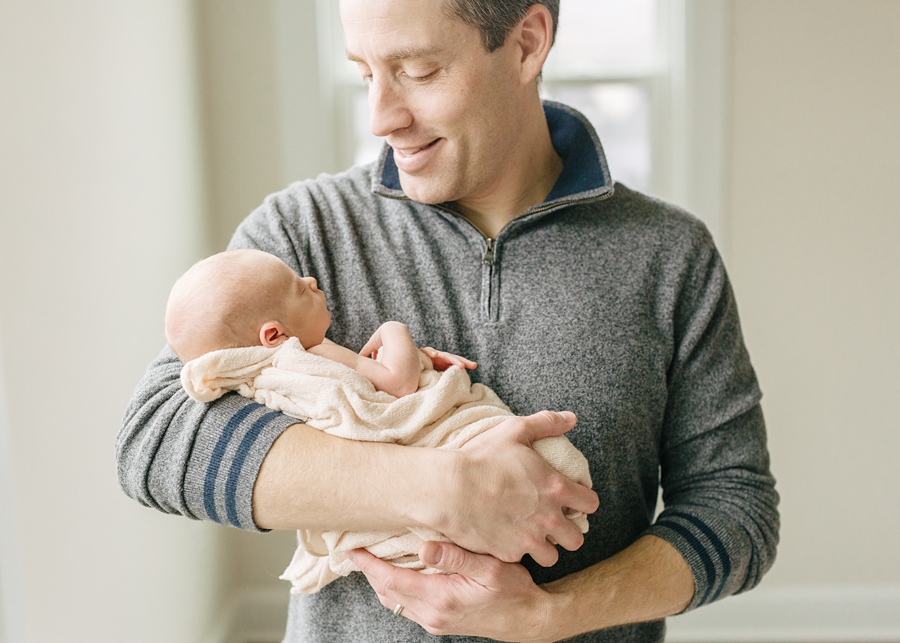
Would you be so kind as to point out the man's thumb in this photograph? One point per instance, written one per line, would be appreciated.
(548, 424)
(448, 557)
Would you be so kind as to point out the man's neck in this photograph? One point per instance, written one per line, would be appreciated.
(527, 185)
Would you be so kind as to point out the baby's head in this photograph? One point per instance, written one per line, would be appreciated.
(243, 298)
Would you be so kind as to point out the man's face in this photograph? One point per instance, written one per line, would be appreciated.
(446, 106)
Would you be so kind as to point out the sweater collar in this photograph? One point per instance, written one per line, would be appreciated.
(584, 177)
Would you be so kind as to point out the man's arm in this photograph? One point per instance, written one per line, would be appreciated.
(236, 462)
(645, 582)
(312, 480)
(184, 457)
(481, 596)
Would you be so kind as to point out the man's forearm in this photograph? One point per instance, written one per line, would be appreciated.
(647, 581)
(311, 480)
(478, 595)
(494, 495)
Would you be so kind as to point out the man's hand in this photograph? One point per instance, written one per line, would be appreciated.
(505, 500)
(477, 596)
(480, 596)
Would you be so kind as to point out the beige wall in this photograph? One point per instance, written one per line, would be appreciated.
(813, 239)
(101, 204)
(264, 124)
(240, 109)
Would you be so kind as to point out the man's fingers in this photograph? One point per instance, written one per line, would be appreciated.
(568, 535)
(386, 579)
(545, 555)
(393, 586)
(547, 424)
(367, 563)
(454, 559)
(579, 498)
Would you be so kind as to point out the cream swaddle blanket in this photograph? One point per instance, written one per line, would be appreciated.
(445, 412)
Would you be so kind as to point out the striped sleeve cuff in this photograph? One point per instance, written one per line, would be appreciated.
(225, 461)
(699, 542)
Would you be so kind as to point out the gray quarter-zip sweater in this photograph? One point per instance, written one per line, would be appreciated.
(601, 301)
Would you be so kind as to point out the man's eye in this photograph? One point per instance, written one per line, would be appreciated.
(422, 77)
(365, 72)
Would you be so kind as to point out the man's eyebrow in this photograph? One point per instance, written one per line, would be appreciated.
(402, 53)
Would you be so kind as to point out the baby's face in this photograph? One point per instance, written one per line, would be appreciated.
(306, 315)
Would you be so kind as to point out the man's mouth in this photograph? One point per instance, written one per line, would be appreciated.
(412, 151)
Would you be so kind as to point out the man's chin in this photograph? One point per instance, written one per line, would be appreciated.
(425, 190)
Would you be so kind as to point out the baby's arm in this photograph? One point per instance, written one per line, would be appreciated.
(396, 373)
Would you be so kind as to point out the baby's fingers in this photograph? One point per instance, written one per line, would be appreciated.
(443, 360)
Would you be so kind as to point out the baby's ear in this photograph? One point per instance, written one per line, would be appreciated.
(271, 334)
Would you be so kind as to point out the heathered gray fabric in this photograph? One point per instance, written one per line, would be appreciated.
(613, 305)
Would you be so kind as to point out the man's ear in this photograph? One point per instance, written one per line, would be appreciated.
(272, 334)
(534, 37)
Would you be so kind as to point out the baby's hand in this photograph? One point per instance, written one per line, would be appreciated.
(442, 360)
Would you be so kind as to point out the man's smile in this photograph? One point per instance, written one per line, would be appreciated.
(410, 158)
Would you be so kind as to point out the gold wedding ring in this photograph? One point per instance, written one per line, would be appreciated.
(398, 609)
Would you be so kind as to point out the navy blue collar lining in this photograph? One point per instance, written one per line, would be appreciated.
(585, 173)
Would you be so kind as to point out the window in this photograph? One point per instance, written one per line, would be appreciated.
(606, 63)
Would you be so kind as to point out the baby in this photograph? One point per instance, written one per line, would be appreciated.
(243, 321)
(245, 298)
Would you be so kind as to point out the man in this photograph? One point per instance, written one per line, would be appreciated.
(490, 226)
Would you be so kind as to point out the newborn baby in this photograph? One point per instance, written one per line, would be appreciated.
(245, 298)
(242, 320)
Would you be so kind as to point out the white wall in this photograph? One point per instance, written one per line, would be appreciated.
(101, 203)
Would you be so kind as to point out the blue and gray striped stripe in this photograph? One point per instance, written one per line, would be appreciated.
(238, 459)
(715, 579)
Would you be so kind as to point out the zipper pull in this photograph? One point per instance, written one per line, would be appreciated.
(488, 259)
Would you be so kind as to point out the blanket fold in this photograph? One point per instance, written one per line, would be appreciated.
(445, 412)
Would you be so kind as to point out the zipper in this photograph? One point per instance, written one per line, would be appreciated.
(490, 304)
(488, 258)
(490, 308)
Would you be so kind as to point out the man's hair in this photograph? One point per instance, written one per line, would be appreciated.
(495, 19)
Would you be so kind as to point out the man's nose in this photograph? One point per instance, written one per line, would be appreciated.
(388, 108)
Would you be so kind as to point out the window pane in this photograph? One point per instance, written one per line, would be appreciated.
(620, 112)
(602, 36)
